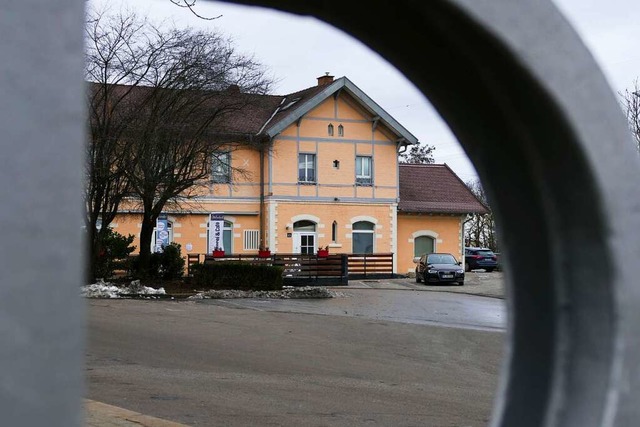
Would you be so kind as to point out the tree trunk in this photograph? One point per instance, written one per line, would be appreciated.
(94, 250)
(146, 236)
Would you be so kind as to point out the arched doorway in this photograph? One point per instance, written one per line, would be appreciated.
(304, 237)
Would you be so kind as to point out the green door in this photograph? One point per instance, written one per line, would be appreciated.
(423, 245)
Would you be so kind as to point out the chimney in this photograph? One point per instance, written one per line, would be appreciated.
(325, 80)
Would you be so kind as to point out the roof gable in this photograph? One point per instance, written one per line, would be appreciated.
(310, 98)
(435, 188)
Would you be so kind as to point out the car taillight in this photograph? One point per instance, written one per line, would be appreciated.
(477, 257)
(494, 257)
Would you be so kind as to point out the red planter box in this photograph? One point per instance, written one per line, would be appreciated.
(217, 254)
(322, 253)
(264, 254)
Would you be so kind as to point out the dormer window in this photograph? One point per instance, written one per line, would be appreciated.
(340, 130)
(330, 129)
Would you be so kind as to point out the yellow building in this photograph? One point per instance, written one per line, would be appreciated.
(324, 173)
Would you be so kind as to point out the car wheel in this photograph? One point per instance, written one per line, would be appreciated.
(418, 278)
(488, 270)
(461, 283)
(467, 268)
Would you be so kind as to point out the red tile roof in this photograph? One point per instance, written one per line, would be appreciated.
(435, 189)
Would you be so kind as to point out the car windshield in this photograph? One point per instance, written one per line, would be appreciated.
(485, 253)
(441, 259)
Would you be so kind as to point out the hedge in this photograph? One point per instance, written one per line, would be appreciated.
(237, 275)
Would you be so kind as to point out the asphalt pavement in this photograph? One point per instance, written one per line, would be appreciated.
(201, 364)
(394, 305)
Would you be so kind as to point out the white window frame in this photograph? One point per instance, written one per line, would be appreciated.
(306, 169)
(361, 177)
(372, 232)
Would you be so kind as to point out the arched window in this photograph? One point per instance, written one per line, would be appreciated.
(340, 130)
(304, 226)
(227, 236)
(334, 232)
(330, 129)
(423, 245)
(362, 234)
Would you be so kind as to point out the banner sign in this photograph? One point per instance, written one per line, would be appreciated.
(162, 233)
(216, 227)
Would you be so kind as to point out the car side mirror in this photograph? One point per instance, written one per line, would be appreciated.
(416, 259)
(459, 262)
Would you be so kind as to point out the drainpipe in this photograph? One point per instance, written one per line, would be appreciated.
(262, 225)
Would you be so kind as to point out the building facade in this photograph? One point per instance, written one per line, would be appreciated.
(325, 173)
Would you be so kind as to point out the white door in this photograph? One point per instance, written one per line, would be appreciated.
(304, 243)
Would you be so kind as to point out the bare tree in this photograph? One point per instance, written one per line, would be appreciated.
(191, 4)
(418, 153)
(113, 55)
(165, 96)
(480, 229)
(631, 106)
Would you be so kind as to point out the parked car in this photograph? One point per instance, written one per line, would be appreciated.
(439, 268)
(475, 258)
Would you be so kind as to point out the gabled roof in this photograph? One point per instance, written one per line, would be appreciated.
(313, 96)
(235, 112)
(268, 115)
(435, 189)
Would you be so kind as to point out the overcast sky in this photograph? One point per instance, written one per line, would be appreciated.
(297, 50)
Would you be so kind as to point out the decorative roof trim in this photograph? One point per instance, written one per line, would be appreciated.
(368, 103)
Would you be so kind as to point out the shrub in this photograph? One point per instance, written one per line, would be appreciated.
(237, 275)
(114, 252)
(168, 264)
(171, 262)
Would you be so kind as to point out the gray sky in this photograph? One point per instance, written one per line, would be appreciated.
(297, 50)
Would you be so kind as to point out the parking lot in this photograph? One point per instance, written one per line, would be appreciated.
(477, 283)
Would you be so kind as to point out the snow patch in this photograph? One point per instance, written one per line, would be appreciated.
(103, 289)
(288, 292)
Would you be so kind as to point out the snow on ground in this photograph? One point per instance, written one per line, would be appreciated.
(104, 289)
(288, 292)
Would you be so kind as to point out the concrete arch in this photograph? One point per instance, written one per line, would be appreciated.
(428, 233)
(367, 218)
(305, 217)
(562, 176)
(514, 76)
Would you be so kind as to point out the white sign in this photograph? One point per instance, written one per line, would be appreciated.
(216, 230)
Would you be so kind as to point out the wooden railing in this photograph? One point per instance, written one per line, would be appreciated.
(300, 268)
(370, 265)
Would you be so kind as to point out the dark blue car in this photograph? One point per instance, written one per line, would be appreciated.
(439, 268)
(475, 258)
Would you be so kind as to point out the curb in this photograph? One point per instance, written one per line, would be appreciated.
(98, 414)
